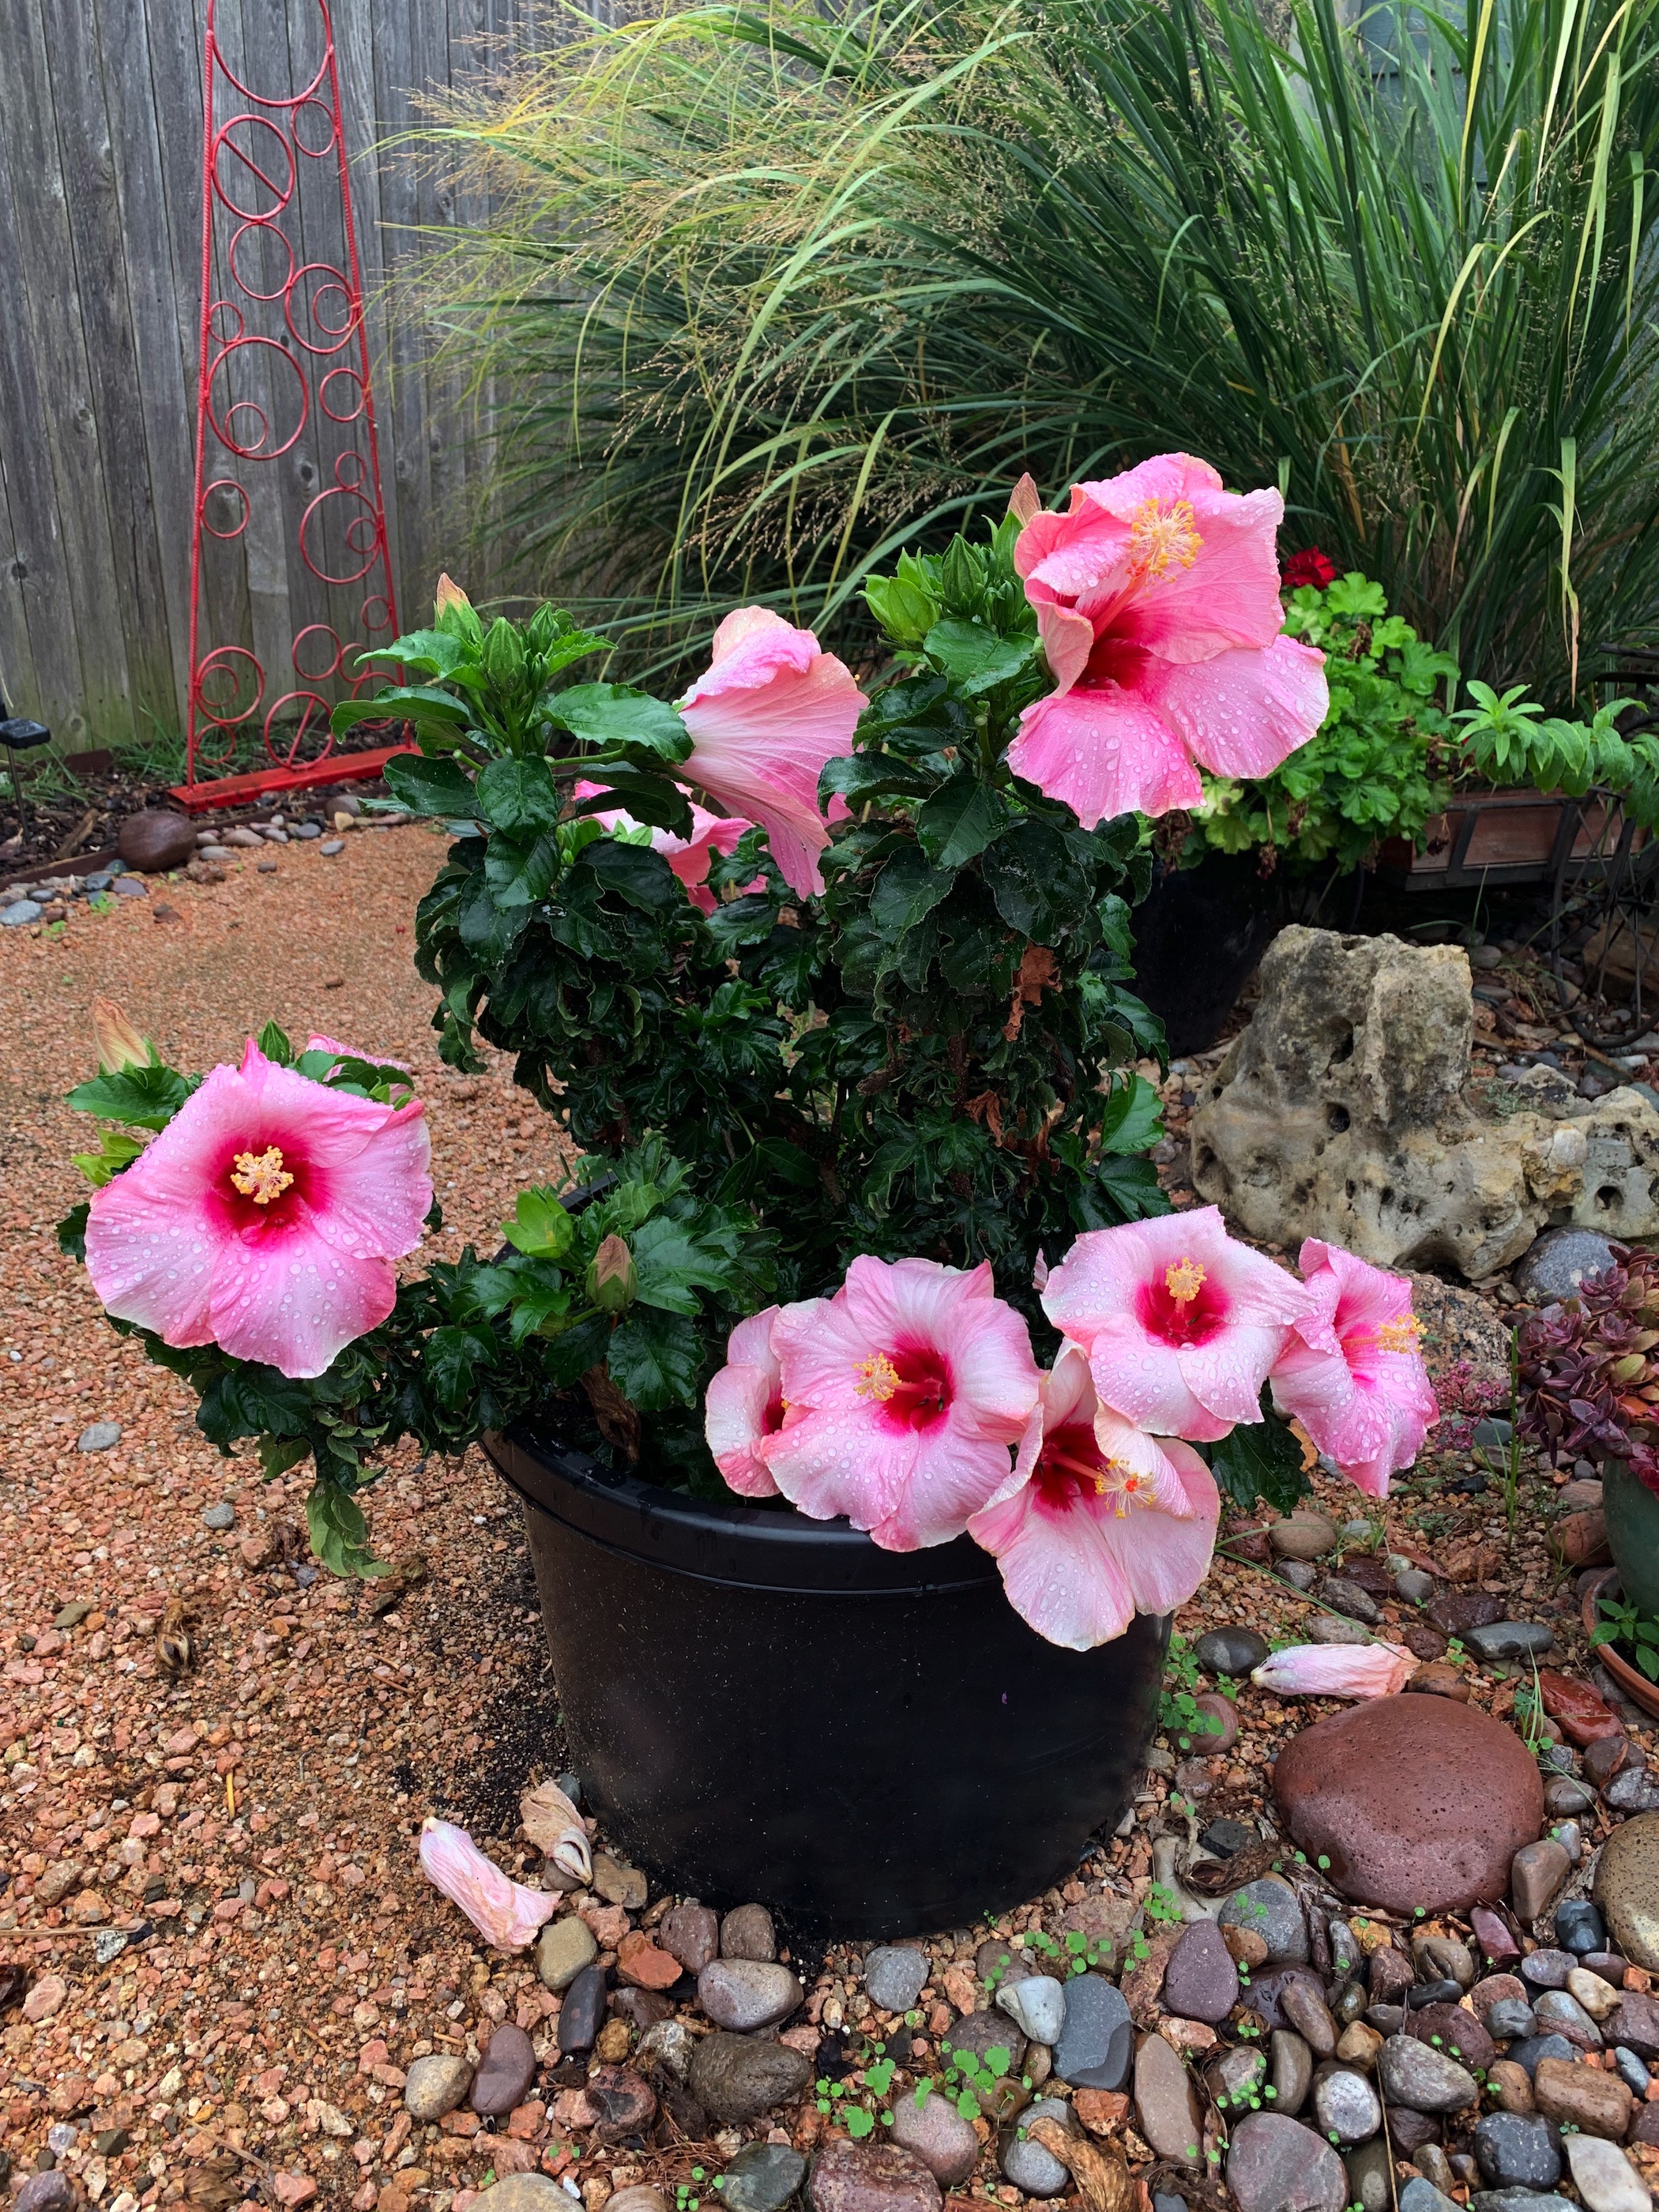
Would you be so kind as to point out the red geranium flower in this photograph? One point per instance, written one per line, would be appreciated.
(1310, 566)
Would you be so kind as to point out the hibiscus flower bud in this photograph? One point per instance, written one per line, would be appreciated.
(449, 595)
(612, 1280)
(119, 1043)
(503, 655)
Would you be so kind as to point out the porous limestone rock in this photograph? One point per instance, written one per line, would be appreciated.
(1346, 1111)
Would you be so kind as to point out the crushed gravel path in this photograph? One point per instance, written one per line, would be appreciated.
(259, 1812)
(248, 1825)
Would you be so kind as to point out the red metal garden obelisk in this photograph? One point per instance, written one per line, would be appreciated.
(284, 413)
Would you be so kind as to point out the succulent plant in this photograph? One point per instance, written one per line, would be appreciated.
(1589, 1378)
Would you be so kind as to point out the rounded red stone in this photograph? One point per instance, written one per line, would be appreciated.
(1413, 1801)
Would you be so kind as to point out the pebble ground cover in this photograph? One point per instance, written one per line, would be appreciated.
(227, 1979)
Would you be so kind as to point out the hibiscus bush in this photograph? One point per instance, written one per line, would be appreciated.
(831, 988)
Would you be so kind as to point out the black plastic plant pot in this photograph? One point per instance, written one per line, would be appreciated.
(765, 1707)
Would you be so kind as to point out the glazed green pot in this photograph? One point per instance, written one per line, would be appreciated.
(1633, 1512)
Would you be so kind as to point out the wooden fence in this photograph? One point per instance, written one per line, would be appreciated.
(100, 159)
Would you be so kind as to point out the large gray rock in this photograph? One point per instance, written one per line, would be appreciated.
(746, 1994)
(1559, 1262)
(763, 2177)
(1028, 2164)
(1343, 1111)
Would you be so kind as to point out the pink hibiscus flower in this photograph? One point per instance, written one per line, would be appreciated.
(1106, 1521)
(904, 1394)
(265, 1218)
(744, 1405)
(770, 711)
(1157, 599)
(1180, 1324)
(1351, 1371)
(688, 857)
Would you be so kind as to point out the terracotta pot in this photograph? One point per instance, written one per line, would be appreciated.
(1634, 1684)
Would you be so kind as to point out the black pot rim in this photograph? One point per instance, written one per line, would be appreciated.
(734, 1544)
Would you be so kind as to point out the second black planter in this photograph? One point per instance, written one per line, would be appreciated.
(761, 1706)
(1199, 934)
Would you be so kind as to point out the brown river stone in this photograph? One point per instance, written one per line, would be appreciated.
(1413, 1801)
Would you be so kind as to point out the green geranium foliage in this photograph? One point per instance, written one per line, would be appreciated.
(1389, 753)
(1379, 764)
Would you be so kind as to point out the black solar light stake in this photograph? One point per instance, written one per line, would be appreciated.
(18, 734)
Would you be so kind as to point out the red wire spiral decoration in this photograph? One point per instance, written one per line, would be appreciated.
(295, 384)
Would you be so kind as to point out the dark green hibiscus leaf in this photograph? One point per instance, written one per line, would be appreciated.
(636, 873)
(520, 796)
(654, 1359)
(139, 1098)
(1038, 887)
(906, 890)
(609, 715)
(651, 800)
(858, 776)
(958, 821)
(976, 658)
(1260, 1459)
(425, 786)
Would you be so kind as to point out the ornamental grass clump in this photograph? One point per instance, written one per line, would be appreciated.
(768, 294)
(849, 1054)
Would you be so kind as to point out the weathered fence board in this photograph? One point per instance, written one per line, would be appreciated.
(100, 183)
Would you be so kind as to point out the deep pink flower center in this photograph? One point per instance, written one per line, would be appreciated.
(263, 1184)
(1071, 1466)
(910, 1383)
(1183, 1304)
(1111, 660)
(1069, 1463)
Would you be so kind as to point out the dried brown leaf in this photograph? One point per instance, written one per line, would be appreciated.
(554, 1826)
(1102, 2176)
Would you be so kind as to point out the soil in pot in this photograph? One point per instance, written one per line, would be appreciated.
(762, 1706)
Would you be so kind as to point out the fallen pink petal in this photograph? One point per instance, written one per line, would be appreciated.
(1336, 1670)
(503, 1911)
